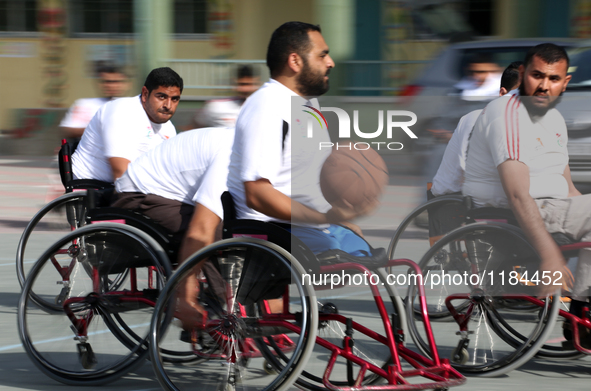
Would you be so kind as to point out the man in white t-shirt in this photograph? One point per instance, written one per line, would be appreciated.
(125, 128)
(269, 179)
(223, 112)
(450, 175)
(179, 185)
(518, 158)
(113, 83)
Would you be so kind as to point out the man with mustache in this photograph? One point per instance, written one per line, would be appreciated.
(518, 158)
(123, 129)
(274, 169)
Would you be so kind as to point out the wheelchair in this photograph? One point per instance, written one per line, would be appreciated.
(87, 303)
(482, 302)
(60, 216)
(267, 313)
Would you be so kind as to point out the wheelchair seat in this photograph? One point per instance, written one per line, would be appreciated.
(67, 175)
(267, 230)
(169, 242)
(450, 216)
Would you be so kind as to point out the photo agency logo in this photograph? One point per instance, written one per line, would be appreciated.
(395, 120)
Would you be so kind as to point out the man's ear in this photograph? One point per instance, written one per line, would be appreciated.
(503, 91)
(295, 62)
(145, 94)
(566, 80)
(521, 70)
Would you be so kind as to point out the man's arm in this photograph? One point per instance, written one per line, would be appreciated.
(572, 190)
(515, 179)
(118, 166)
(264, 198)
(201, 233)
(72, 132)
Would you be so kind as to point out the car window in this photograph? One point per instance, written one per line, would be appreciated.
(580, 67)
(501, 56)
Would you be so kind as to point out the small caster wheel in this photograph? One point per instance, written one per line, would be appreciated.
(460, 356)
(268, 368)
(86, 355)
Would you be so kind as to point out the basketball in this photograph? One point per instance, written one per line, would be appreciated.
(355, 176)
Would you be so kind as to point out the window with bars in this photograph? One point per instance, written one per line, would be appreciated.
(101, 16)
(116, 16)
(18, 16)
(190, 16)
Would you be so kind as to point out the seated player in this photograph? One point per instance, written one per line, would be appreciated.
(125, 128)
(518, 158)
(270, 178)
(179, 185)
(450, 175)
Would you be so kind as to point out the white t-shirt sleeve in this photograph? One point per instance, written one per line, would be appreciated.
(122, 130)
(497, 138)
(262, 146)
(214, 183)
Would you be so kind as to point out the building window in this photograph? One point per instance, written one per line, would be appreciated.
(102, 16)
(190, 16)
(18, 15)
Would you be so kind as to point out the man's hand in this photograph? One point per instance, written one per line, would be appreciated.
(560, 277)
(515, 179)
(188, 310)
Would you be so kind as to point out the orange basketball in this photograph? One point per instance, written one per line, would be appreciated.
(355, 176)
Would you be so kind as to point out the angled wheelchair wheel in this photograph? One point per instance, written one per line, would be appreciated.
(100, 332)
(411, 241)
(479, 290)
(340, 308)
(254, 295)
(60, 216)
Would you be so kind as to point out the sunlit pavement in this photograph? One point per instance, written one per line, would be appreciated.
(26, 184)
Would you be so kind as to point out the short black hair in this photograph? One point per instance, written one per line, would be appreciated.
(109, 68)
(548, 52)
(244, 71)
(163, 77)
(290, 37)
(510, 76)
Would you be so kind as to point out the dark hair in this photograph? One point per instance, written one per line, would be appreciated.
(548, 52)
(481, 58)
(510, 76)
(244, 71)
(290, 37)
(108, 68)
(163, 77)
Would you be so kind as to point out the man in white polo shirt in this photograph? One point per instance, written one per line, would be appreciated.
(270, 178)
(125, 128)
(179, 185)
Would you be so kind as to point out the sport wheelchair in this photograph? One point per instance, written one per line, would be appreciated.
(86, 305)
(482, 276)
(262, 322)
(255, 321)
(58, 217)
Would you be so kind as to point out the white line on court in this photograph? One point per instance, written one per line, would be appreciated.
(10, 347)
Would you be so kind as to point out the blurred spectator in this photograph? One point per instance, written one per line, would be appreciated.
(481, 83)
(223, 112)
(482, 80)
(112, 83)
